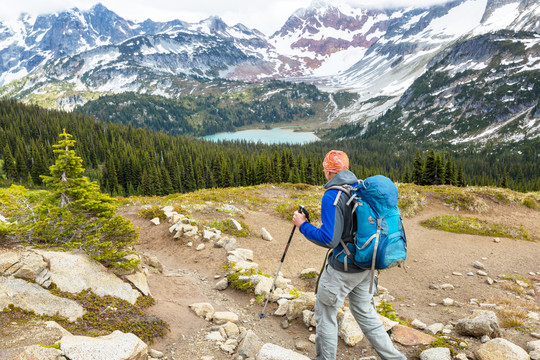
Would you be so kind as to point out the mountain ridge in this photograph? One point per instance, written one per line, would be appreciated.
(380, 53)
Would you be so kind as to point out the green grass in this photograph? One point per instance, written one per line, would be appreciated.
(471, 225)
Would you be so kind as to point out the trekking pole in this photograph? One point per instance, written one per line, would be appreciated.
(301, 210)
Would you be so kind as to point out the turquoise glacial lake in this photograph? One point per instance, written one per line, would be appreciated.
(273, 136)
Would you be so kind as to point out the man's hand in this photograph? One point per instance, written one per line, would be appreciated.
(298, 218)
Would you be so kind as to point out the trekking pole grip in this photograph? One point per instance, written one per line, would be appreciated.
(302, 210)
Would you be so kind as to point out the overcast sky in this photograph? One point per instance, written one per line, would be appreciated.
(265, 15)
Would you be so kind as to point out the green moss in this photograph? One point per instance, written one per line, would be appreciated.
(107, 314)
(387, 310)
(53, 346)
(470, 225)
(450, 342)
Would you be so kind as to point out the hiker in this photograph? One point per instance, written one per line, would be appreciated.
(336, 282)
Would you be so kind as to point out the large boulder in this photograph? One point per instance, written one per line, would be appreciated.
(275, 352)
(115, 346)
(500, 349)
(33, 352)
(76, 272)
(23, 264)
(32, 297)
(410, 337)
(480, 323)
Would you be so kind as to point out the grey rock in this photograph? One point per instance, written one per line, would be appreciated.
(485, 339)
(231, 330)
(230, 245)
(448, 302)
(447, 287)
(439, 353)
(275, 352)
(237, 225)
(302, 345)
(139, 281)
(266, 235)
(500, 349)
(433, 329)
(155, 221)
(418, 324)
(76, 272)
(481, 273)
(33, 352)
(479, 265)
(115, 346)
(205, 310)
(349, 331)
(32, 297)
(30, 266)
(533, 345)
(306, 301)
(222, 284)
(156, 354)
(223, 317)
(229, 346)
(480, 323)
(249, 345)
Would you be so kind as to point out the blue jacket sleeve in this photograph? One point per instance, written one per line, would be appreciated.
(329, 234)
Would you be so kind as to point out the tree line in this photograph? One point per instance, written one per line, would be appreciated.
(136, 161)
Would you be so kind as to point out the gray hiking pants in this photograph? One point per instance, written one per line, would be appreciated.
(334, 286)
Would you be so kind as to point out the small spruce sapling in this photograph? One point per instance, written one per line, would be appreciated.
(78, 215)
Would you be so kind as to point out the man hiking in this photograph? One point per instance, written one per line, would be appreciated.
(336, 282)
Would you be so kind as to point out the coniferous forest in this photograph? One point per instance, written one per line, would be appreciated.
(137, 161)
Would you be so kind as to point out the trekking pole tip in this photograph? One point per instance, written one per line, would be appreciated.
(262, 315)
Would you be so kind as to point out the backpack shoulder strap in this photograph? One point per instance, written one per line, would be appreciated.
(342, 189)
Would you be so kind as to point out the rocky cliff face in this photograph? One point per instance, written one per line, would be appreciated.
(480, 90)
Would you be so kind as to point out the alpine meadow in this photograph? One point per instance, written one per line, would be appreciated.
(126, 234)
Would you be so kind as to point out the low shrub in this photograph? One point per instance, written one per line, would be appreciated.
(531, 203)
(471, 225)
(465, 201)
(410, 201)
(227, 226)
(152, 212)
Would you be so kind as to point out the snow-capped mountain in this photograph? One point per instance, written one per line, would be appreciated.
(63, 59)
(328, 39)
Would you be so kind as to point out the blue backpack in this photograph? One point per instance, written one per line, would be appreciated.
(378, 234)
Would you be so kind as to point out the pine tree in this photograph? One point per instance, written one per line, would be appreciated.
(9, 164)
(407, 174)
(77, 215)
(460, 177)
(429, 172)
(417, 169)
(504, 181)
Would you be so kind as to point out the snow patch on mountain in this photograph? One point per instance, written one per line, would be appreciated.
(501, 18)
